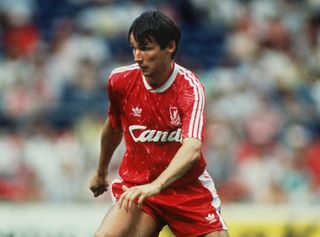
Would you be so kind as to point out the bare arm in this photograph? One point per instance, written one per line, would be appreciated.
(110, 139)
(184, 159)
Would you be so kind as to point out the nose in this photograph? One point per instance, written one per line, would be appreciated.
(137, 54)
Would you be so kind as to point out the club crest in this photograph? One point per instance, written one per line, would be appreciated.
(174, 116)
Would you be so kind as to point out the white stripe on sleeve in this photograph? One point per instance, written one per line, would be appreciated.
(196, 121)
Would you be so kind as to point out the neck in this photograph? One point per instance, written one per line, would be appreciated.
(162, 76)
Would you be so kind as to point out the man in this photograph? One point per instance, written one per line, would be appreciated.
(159, 108)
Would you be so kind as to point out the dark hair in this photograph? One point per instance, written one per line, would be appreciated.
(155, 25)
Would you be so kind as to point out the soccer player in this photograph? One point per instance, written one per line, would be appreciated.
(158, 106)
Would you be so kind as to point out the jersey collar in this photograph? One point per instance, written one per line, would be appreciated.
(166, 85)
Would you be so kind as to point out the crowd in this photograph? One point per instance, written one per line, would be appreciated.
(258, 59)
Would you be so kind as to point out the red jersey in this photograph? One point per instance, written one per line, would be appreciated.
(155, 121)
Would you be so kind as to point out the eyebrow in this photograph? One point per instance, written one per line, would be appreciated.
(139, 44)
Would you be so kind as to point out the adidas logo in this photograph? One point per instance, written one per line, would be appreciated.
(211, 218)
(137, 111)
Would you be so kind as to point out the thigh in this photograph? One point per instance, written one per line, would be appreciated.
(145, 226)
(221, 233)
(116, 222)
(120, 223)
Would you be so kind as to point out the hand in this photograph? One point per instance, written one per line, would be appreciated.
(98, 184)
(140, 192)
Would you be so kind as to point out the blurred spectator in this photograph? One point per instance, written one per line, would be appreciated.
(313, 166)
(18, 182)
(20, 36)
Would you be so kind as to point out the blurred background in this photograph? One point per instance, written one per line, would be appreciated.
(258, 59)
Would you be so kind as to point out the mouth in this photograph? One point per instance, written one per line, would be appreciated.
(143, 67)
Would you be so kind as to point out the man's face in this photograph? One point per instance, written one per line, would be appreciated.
(150, 57)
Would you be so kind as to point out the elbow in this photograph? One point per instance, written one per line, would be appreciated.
(193, 148)
(110, 134)
(196, 157)
(118, 134)
(196, 153)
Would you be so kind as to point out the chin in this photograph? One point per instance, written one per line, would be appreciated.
(146, 74)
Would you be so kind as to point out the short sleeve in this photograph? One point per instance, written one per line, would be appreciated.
(114, 95)
(192, 101)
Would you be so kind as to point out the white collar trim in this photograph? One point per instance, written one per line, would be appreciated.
(166, 85)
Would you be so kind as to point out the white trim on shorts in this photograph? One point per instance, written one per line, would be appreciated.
(113, 197)
(208, 183)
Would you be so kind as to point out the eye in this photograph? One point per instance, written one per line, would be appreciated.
(133, 49)
(144, 48)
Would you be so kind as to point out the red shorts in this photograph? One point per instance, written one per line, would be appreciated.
(191, 210)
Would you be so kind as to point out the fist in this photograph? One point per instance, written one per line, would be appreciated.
(98, 185)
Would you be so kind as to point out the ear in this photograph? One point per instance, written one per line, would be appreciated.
(171, 47)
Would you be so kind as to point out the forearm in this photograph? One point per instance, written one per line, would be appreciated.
(110, 139)
(184, 159)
